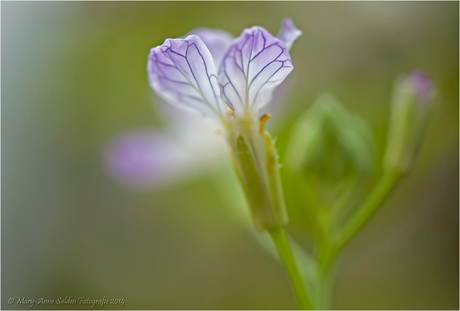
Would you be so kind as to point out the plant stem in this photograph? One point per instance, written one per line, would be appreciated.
(287, 256)
(381, 192)
(325, 290)
(372, 203)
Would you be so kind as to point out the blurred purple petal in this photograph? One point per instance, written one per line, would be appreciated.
(217, 42)
(182, 71)
(288, 33)
(254, 65)
(141, 159)
(144, 159)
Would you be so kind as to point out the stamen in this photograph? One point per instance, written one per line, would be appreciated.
(230, 111)
(264, 119)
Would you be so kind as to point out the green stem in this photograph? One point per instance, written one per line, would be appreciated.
(381, 192)
(324, 247)
(369, 207)
(325, 290)
(287, 256)
(331, 246)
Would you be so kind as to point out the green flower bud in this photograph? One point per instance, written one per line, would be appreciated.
(410, 110)
(331, 150)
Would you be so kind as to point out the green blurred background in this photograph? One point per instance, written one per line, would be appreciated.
(73, 77)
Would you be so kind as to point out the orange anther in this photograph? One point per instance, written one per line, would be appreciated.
(264, 119)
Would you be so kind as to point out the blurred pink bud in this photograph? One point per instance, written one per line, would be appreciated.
(422, 84)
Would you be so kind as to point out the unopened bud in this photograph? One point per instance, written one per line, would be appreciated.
(331, 148)
(410, 110)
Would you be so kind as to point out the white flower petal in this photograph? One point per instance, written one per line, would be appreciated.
(288, 33)
(217, 42)
(254, 65)
(182, 71)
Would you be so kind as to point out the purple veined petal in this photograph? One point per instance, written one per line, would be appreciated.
(278, 104)
(254, 65)
(142, 159)
(216, 40)
(182, 71)
(288, 33)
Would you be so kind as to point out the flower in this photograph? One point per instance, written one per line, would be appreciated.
(228, 79)
(207, 71)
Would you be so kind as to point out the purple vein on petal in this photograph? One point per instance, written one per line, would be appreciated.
(265, 63)
(182, 71)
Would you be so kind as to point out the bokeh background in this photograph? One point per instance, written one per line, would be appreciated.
(73, 78)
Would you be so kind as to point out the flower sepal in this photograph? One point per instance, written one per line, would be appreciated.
(256, 162)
